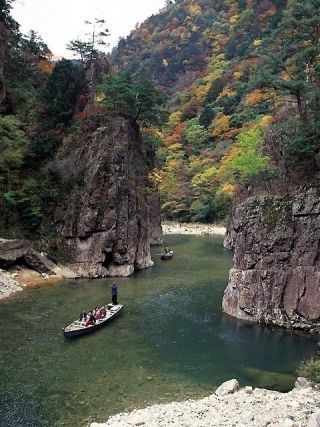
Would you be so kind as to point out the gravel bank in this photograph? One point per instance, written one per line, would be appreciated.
(8, 286)
(195, 229)
(230, 407)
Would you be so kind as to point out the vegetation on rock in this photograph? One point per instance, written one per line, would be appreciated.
(310, 369)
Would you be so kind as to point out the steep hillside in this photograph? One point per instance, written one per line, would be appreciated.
(232, 69)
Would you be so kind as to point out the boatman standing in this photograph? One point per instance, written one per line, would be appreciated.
(114, 293)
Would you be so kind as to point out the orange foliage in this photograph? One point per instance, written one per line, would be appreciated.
(221, 125)
(254, 97)
(177, 135)
(233, 7)
(227, 188)
(45, 66)
(251, 63)
(194, 9)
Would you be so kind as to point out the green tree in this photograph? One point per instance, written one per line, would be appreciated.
(13, 146)
(95, 39)
(59, 95)
(139, 98)
(195, 133)
(250, 163)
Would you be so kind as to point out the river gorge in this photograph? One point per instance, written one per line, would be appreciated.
(172, 343)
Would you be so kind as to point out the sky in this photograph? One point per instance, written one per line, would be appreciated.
(59, 21)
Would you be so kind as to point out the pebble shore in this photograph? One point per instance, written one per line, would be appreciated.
(193, 229)
(8, 286)
(230, 406)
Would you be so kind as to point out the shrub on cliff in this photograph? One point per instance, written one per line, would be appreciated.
(310, 369)
(137, 97)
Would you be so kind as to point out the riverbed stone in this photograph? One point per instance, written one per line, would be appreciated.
(227, 387)
(302, 382)
(8, 286)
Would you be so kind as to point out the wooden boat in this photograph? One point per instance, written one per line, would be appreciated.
(167, 255)
(77, 328)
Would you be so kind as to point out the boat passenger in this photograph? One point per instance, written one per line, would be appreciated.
(83, 315)
(97, 313)
(103, 312)
(92, 319)
(114, 294)
(166, 250)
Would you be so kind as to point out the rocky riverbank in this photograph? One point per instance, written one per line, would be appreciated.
(230, 406)
(194, 229)
(8, 286)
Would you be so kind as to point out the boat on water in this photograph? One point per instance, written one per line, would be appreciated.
(78, 328)
(167, 255)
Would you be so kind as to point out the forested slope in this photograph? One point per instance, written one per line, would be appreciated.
(243, 80)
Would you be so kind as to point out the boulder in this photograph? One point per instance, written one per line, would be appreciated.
(302, 382)
(227, 387)
(20, 252)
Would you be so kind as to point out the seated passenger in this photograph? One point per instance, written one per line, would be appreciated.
(92, 319)
(83, 316)
(103, 312)
(97, 313)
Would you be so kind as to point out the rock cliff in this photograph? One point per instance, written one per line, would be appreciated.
(276, 275)
(110, 213)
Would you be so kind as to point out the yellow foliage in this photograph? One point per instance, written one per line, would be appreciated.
(217, 66)
(228, 158)
(100, 97)
(174, 118)
(237, 75)
(227, 188)
(194, 9)
(233, 19)
(220, 125)
(152, 131)
(155, 176)
(254, 97)
(175, 147)
(201, 91)
(265, 121)
(257, 42)
(227, 91)
(208, 178)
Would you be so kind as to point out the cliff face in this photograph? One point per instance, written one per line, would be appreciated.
(110, 214)
(276, 275)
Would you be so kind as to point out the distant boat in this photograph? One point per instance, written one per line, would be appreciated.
(167, 255)
(77, 328)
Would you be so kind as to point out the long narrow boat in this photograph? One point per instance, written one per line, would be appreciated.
(77, 328)
(167, 255)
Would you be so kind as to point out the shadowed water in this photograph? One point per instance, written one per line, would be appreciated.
(172, 342)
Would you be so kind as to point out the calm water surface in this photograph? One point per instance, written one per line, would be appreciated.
(171, 343)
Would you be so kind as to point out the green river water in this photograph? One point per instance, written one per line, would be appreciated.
(171, 343)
